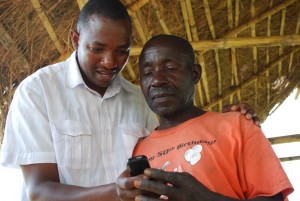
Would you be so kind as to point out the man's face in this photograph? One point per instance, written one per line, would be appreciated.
(103, 49)
(167, 77)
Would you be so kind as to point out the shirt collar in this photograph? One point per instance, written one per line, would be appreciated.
(74, 78)
(73, 75)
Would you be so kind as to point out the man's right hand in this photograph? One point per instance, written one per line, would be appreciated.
(126, 189)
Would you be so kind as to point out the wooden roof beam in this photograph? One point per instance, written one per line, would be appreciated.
(252, 78)
(257, 19)
(81, 3)
(281, 32)
(195, 37)
(188, 31)
(46, 22)
(157, 11)
(297, 33)
(290, 158)
(139, 27)
(284, 139)
(268, 56)
(9, 43)
(253, 34)
(225, 43)
(254, 49)
(234, 72)
(209, 19)
(131, 72)
(186, 20)
(136, 6)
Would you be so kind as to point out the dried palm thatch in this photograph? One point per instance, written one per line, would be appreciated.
(249, 50)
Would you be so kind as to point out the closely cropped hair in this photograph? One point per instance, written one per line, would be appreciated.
(112, 9)
(185, 44)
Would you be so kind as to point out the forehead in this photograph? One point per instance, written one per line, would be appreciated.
(164, 50)
(100, 25)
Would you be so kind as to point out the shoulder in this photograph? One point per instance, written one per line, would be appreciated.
(128, 86)
(43, 79)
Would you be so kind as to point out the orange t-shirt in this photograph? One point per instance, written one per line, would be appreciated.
(224, 151)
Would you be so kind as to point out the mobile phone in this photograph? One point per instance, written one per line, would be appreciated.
(137, 164)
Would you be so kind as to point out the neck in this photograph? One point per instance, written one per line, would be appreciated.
(179, 117)
(100, 90)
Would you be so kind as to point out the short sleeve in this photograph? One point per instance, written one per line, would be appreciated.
(27, 137)
(264, 174)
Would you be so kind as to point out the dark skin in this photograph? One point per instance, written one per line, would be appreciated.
(102, 52)
(245, 109)
(167, 77)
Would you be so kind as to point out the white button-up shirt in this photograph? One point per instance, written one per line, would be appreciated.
(55, 118)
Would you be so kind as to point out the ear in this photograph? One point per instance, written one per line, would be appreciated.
(75, 39)
(197, 71)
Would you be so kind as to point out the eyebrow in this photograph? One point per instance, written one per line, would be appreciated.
(120, 46)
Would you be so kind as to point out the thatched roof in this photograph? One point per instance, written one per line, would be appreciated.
(249, 50)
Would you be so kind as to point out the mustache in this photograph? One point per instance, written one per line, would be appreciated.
(154, 91)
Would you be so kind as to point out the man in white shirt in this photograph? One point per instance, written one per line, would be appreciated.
(71, 126)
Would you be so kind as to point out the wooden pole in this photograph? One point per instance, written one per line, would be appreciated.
(48, 26)
(81, 3)
(9, 43)
(252, 78)
(225, 43)
(291, 158)
(285, 139)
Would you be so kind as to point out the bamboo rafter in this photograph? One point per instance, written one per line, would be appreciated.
(257, 19)
(195, 37)
(281, 32)
(297, 33)
(225, 43)
(268, 55)
(47, 24)
(252, 78)
(9, 43)
(254, 49)
(285, 139)
(81, 3)
(237, 13)
(253, 34)
(186, 20)
(209, 19)
(136, 6)
(138, 25)
(159, 16)
(291, 158)
(189, 38)
(234, 72)
(131, 71)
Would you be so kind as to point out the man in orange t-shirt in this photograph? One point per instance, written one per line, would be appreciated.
(197, 155)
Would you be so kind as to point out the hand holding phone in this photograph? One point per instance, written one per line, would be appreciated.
(137, 164)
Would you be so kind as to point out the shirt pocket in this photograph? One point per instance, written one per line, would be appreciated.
(73, 145)
(131, 132)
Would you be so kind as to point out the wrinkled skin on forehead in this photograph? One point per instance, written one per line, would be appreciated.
(167, 77)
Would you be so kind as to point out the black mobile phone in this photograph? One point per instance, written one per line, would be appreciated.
(137, 164)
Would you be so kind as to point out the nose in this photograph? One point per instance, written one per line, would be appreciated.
(159, 78)
(109, 60)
